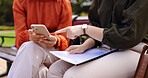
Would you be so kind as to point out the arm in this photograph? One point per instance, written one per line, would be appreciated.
(74, 31)
(65, 20)
(132, 31)
(89, 43)
(22, 34)
(95, 32)
(134, 27)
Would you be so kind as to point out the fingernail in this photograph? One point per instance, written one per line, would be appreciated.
(71, 52)
(40, 40)
(42, 36)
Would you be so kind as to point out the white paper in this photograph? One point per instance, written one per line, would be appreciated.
(77, 59)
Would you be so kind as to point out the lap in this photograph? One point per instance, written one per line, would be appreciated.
(58, 68)
(116, 65)
(37, 53)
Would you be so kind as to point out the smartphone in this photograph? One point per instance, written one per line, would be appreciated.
(40, 29)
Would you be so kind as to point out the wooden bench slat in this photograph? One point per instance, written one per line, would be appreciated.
(8, 53)
(7, 57)
(8, 50)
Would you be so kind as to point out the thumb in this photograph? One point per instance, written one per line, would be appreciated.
(30, 31)
(52, 38)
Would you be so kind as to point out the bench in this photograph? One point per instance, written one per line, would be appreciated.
(142, 68)
(7, 53)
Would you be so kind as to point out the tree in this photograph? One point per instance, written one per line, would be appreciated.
(79, 6)
(6, 14)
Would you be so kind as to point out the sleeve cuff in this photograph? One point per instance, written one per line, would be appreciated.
(97, 44)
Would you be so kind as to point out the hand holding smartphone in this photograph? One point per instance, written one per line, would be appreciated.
(41, 29)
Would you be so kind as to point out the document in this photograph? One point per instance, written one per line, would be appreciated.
(78, 59)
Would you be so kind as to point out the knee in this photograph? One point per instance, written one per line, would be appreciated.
(53, 71)
(58, 69)
(28, 44)
(27, 47)
(70, 73)
(43, 72)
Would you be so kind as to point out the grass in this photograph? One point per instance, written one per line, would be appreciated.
(3, 27)
(83, 14)
(8, 41)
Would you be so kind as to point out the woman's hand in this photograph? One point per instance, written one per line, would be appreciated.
(76, 49)
(42, 40)
(72, 31)
(89, 43)
(48, 43)
(34, 37)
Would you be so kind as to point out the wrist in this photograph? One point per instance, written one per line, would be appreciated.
(84, 28)
(84, 46)
(56, 41)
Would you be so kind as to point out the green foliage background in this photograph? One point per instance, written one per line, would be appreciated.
(77, 7)
(6, 15)
(8, 41)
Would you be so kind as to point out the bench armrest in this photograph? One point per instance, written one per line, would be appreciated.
(2, 37)
(142, 68)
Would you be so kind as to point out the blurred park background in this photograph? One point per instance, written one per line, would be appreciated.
(79, 7)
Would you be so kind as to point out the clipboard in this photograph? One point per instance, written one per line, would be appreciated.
(87, 56)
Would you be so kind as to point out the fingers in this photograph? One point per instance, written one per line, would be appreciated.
(31, 31)
(52, 38)
(75, 36)
(76, 51)
(46, 43)
(43, 44)
(71, 48)
(61, 30)
(72, 37)
(35, 38)
(71, 34)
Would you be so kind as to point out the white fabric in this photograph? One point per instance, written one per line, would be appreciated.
(29, 60)
(121, 64)
(116, 65)
(138, 48)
